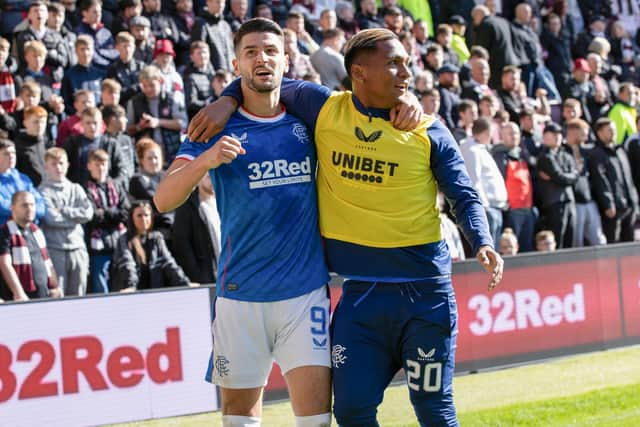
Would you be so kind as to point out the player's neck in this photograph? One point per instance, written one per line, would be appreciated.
(265, 104)
(369, 101)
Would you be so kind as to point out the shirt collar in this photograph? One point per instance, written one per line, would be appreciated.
(382, 113)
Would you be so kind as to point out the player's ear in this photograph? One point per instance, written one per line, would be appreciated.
(236, 71)
(357, 73)
(286, 63)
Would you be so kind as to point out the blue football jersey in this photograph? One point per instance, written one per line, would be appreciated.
(271, 247)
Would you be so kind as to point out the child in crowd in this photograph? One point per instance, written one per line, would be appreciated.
(35, 54)
(163, 59)
(126, 68)
(545, 241)
(32, 142)
(198, 77)
(508, 242)
(68, 207)
(102, 232)
(220, 81)
(78, 148)
(11, 180)
(110, 91)
(92, 26)
(8, 98)
(82, 100)
(115, 119)
(55, 22)
(83, 75)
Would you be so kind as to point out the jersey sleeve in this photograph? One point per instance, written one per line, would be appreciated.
(189, 150)
(450, 173)
(301, 98)
(304, 100)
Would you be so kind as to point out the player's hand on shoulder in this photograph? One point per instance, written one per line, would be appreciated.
(225, 150)
(407, 115)
(492, 263)
(211, 119)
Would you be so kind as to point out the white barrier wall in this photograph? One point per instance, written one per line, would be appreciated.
(105, 360)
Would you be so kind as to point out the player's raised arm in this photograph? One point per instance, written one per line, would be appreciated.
(187, 170)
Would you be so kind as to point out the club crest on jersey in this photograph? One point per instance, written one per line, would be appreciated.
(367, 138)
(300, 131)
(337, 355)
(243, 139)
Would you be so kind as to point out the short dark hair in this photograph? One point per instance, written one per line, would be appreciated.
(332, 33)
(526, 112)
(38, 3)
(110, 111)
(480, 125)
(86, 4)
(433, 49)
(257, 25)
(465, 105)
(393, 11)
(365, 41)
(6, 143)
(56, 8)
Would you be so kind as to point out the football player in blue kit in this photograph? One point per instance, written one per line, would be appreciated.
(377, 189)
(272, 300)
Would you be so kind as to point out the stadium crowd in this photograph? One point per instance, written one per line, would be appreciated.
(95, 98)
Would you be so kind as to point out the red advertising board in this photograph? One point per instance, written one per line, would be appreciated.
(538, 308)
(91, 361)
(630, 272)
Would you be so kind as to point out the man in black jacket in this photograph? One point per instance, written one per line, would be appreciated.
(216, 32)
(494, 34)
(508, 92)
(632, 146)
(558, 173)
(588, 223)
(612, 184)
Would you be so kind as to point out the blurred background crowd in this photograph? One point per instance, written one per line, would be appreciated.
(95, 98)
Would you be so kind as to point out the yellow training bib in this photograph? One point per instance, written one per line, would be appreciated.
(375, 184)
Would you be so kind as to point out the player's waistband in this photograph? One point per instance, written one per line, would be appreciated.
(439, 284)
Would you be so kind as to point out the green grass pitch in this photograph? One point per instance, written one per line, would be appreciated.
(595, 389)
